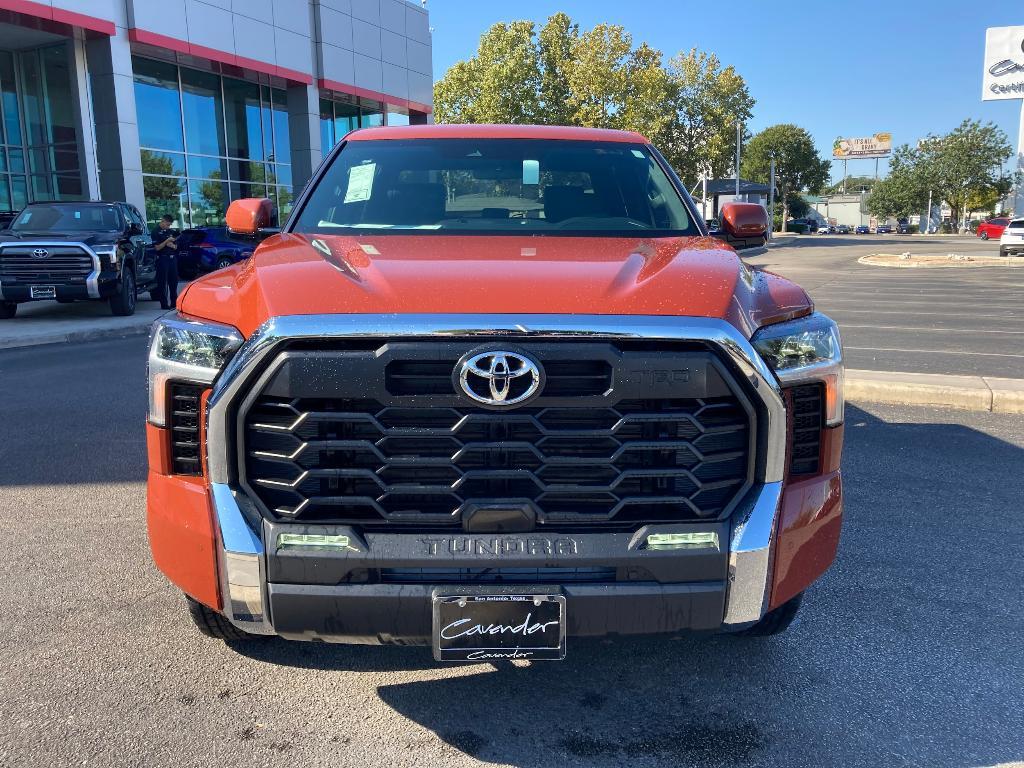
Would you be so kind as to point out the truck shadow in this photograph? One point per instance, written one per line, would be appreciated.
(898, 656)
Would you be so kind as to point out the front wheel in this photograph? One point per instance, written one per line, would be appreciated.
(223, 262)
(122, 303)
(8, 309)
(984, 235)
(776, 621)
(215, 625)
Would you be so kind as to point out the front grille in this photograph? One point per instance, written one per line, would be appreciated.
(184, 428)
(425, 457)
(808, 419)
(584, 575)
(63, 264)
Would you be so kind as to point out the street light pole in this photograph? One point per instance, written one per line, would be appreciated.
(738, 129)
(771, 195)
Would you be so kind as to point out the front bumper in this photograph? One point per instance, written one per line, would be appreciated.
(239, 569)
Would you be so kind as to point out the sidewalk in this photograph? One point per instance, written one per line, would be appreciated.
(47, 322)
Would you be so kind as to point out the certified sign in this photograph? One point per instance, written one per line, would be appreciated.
(879, 145)
(1004, 64)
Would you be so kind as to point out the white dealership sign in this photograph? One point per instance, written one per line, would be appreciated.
(1004, 64)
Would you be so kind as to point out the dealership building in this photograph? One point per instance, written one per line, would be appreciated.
(180, 106)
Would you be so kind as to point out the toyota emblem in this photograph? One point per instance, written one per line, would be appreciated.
(40, 253)
(499, 378)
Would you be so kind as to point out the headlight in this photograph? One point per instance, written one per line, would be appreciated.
(806, 350)
(110, 253)
(185, 350)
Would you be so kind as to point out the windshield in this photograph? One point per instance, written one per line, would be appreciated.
(68, 218)
(496, 186)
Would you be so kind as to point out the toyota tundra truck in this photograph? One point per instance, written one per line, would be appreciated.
(491, 389)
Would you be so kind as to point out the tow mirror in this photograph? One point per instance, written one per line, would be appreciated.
(250, 216)
(743, 225)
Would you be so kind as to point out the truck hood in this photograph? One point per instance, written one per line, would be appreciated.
(89, 238)
(292, 274)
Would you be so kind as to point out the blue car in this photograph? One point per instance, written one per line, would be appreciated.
(208, 248)
(862, 229)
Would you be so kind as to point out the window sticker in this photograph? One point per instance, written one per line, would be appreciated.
(637, 153)
(26, 217)
(78, 214)
(531, 172)
(360, 183)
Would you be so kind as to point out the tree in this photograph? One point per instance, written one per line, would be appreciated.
(798, 167)
(597, 78)
(853, 185)
(905, 190)
(707, 101)
(500, 84)
(965, 164)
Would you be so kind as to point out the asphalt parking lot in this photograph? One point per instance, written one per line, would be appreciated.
(906, 654)
(959, 320)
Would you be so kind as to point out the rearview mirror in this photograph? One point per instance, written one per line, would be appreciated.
(743, 225)
(249, 215)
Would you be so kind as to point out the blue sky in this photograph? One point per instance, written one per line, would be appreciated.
(836, 68)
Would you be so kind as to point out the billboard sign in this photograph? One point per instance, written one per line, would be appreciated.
(879, 145)
(1004, 64)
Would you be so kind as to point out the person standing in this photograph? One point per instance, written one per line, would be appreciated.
(166, 247)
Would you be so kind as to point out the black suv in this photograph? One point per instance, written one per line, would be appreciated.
(69, 251)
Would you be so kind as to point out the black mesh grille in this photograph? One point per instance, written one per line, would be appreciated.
(808, 420)
(361, 461)
(184, 425)
(565, 378)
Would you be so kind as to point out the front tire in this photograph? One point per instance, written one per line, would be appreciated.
(213, 624)
(984, 235)
(776, 621)
(8, 309)
(224, 262)
(122, 303)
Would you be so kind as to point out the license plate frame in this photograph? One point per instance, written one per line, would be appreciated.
(42, 292)
(538, 619)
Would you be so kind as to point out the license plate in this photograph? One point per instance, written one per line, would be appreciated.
(491, 627)
(43, 292)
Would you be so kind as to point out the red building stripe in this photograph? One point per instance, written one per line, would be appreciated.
(366, 93)
(59, 15)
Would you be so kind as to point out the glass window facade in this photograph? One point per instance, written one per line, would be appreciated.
(39, 139)
(339, 117)
(206, 140)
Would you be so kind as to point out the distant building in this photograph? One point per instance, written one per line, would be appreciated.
(851, 210)
(722, 191)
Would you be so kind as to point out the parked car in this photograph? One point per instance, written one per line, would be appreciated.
(327, 502)
(862, 229)
(205, 249)
(992, 227)
(1011, 242)
(883, 229)
(70, 251)
(843, 229)
(798, 227)
(903, 227)
(825, 229)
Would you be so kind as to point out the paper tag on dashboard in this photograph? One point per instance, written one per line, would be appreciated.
(360, 183)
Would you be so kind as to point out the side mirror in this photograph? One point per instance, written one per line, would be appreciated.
(135, 229)
(743, 225)
(249, 215)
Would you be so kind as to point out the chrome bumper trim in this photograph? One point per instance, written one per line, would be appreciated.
(753, 531)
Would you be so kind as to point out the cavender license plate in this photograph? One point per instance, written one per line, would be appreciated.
(484, 627)
(42, 292)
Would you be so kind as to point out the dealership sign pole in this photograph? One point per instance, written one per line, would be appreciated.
(1004, 79)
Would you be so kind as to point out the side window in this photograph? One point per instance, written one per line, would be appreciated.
(133, 216)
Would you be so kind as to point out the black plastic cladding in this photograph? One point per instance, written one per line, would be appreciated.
(642, 380)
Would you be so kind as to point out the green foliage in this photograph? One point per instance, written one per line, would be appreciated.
(798, 167)
(564, 76)
(905, 190)
(854, 185)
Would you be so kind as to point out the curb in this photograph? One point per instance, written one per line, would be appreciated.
(975, 393)
(76, 336)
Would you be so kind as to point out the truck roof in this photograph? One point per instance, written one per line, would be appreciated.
(550, 132)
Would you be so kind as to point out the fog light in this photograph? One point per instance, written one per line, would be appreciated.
(695, 540)
(313, 540)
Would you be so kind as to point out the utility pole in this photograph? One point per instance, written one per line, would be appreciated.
(844, 175)
(739, 127)
(771, 195)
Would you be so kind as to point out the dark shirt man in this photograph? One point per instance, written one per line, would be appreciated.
(166, 263)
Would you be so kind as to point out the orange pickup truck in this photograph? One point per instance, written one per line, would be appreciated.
(490, 389)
